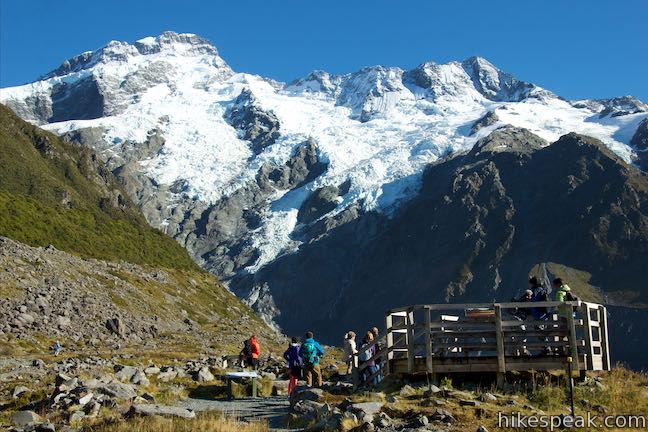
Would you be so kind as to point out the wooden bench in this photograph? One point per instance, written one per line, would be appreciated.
(229, 376)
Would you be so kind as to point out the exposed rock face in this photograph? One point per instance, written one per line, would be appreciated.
(489, 119)
(508, 140)
(220, 233)
(640, 141)
(623, 105)
(79, 101)
(259, 127)
(614, 107)
(495, 84)
(320, 202)
(480, 223)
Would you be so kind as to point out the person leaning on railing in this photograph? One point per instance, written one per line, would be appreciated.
(563, 294)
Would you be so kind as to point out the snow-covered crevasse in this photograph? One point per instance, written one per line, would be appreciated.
(376, 128)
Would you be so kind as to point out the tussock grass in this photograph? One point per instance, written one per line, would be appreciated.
(206, 422)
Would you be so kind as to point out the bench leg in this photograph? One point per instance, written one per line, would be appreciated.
(230, 396)
(254, 387)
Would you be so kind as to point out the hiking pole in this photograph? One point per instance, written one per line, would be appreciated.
(571, 384)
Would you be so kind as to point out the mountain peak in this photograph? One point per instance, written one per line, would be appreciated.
(497, 85)
(171, 43)
(187, 43)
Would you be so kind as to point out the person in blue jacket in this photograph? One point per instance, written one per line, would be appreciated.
(311, 352)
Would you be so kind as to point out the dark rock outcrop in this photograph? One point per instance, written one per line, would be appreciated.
(481, 222)
(259, 127)
(82, 100)
(489, 119)
(495, 84)
(640, 141)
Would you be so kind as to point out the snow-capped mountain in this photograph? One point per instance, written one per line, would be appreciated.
(240, 168)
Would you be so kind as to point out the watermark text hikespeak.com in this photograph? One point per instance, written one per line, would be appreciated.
(557, 422)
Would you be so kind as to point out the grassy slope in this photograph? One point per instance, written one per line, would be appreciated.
(54, 192)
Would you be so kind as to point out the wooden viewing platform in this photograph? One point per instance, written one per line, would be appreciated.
(490, 337)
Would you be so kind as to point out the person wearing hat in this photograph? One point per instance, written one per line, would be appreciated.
(350, 349)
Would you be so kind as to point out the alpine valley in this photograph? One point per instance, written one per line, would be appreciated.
(325, 201)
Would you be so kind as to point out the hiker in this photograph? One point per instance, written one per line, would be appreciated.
(563, 294)
(57, 348)
(379, 347)
(311, 352)
(521, 313)
(294, 363)
(251, 352)
(350, 350)
(539, 295)
(366, 354)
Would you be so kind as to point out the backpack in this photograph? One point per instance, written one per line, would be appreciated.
(308, 353)
(365, 354)
(247, 348)
(570, 297)
(540, 295)
(293, 355)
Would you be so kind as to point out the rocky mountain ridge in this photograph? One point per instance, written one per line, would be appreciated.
(248, 173)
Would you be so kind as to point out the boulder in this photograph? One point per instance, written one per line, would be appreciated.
(152, 370)
(77, 416)
(23, 320)
(443, 416)
(307, 409)
(140, 379)
(366, 410)
(67, 385)
(204, 375)
(85, 399)
(116, 326)
(19, 390)
(431, 391)
(24, 418)
(92, 383)
(125, 373)
(167, 376)
(488, 397)
(306, 393)
(161, 410)
(421, 421)
(119, 391)
(406, 390)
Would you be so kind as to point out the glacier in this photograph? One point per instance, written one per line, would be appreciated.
(376, 129)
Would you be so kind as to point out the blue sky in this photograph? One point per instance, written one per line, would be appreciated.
(576, 48)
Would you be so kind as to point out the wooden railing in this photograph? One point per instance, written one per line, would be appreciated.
(490, 337)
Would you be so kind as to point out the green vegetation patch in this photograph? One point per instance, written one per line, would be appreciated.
(55, 192)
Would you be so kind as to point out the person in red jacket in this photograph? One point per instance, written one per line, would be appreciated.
(255, 352)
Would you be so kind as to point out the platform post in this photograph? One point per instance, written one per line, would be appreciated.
(428, 340)
(573, 347)
(499, 337)
(410, 340)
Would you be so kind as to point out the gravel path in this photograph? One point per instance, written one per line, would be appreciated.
(272, 409)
